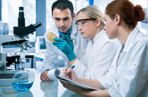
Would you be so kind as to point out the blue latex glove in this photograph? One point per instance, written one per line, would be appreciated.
(65, 48)
(70, 42)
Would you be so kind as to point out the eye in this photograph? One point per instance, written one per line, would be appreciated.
(65, 19)
(57, 19)
(83, 22)
(104, 21)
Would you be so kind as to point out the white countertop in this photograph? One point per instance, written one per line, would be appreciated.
(43, 89)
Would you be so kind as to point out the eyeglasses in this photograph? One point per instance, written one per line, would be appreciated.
(83, 22)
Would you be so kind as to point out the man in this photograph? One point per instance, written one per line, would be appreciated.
(63, 16)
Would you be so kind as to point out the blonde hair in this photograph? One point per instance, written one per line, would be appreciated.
(93, 12)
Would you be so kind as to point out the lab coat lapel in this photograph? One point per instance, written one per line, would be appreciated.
(130, 39)
(74, 29)
(128, 44)
(125, 55)
(121, 57)
(116, 59)
(97, 43)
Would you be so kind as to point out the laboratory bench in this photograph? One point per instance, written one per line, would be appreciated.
(42, 89)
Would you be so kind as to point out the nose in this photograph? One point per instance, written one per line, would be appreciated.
(79, 28)
(61, 23)
(104, 28)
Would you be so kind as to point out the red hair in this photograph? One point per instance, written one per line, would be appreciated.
(129, 13)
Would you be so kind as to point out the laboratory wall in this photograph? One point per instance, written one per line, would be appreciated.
(144, 3)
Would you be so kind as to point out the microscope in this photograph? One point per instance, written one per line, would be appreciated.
(20, 38)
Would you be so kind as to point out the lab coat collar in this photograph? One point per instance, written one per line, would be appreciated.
(74, 29)
(130, 39)
(98, 36)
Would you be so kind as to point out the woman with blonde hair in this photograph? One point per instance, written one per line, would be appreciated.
(128, 74)
(100, 50)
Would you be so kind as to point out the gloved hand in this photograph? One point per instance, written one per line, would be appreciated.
(70, 42)
(65, 48)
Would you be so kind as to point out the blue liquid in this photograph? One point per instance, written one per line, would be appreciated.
(22, 86)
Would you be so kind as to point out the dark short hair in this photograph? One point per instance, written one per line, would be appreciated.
(62, 5)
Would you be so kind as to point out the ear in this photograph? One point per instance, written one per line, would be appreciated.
(117, 19)
(98, 22)
(73, 16)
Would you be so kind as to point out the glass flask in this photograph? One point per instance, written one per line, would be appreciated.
(23, 79)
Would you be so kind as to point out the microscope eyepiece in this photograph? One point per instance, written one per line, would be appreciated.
(21, 8)
(21, 19)
(36, 25)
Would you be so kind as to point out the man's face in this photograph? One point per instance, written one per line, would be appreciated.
(63, 19)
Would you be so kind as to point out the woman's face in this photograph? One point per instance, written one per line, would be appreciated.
(110, 27)
(86, 25)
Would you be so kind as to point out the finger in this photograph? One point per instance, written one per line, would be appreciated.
(58, 39)
(58, 45)
(67, 76)
(61, 46)
(66, 36)
(64, 73)
(68, 40)
(64, 85)
(69, 70)
(48, 79)
(56, 42)
(43, 79)
(64, 70)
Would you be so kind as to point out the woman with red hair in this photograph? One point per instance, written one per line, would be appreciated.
(128, 74)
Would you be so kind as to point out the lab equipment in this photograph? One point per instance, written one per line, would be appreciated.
(20, 38)
(66, 38)
(8, 90)
(3, 28)
(40, 45)
(23, 80)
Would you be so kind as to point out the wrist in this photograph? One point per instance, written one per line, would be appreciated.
(71, 62)
(71, 57)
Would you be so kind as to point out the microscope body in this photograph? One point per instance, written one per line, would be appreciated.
(20, 38)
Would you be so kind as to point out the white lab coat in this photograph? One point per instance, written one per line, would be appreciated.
(98, 57)
(52, 52)
(128, 74)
